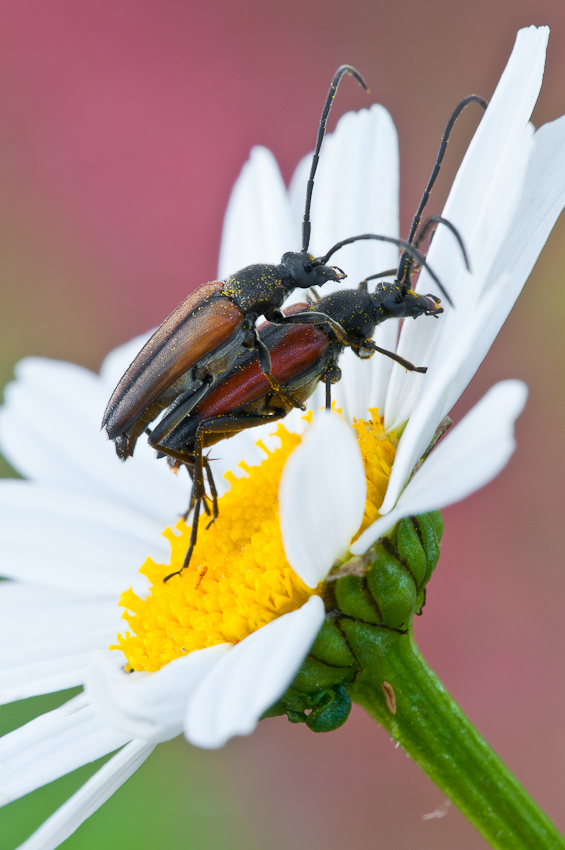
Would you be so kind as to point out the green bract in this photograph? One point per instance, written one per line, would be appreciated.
(365, 616)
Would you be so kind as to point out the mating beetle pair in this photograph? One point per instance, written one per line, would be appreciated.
(302, 353)
(197, 369)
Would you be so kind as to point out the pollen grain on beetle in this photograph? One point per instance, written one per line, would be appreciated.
(238, 579)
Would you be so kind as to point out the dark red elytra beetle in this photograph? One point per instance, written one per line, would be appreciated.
(201, 339)
(303, 352)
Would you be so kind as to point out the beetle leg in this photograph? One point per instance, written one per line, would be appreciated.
(332, 374)
(181, 409)
(198, 495)
(315, 318)
(396, 357)
(264, 356)
(213, 491)
(193, 538)
(328, 391)
(222, 424)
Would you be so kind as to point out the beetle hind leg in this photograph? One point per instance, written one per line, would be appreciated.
(213, 493)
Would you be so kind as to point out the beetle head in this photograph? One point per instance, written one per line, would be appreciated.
(304, 272)
(392, 303)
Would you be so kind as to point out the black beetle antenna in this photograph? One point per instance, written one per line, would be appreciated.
(431, 223)
(341, 71)
(471, 98)
(407, 247)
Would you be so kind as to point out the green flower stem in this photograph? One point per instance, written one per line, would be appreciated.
(434, 732)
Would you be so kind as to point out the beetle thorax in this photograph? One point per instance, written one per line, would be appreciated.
(353, 309)
(256, 289)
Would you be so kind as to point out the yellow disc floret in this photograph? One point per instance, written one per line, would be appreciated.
(238, 579)
(378, 449)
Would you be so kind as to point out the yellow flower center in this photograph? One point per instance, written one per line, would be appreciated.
(238, 579)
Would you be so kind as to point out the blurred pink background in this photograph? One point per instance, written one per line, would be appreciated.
(123, 126)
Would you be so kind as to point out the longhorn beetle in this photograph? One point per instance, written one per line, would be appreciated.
(201, 339)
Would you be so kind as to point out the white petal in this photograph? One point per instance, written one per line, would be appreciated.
(54, 537)
(322, 498)
(89, 798)
(51, 746)
(257, 224)
(364, 383)
(481, 205)
(433, 403)
(148, 705)
(355, 191)
(63, 446)
(470, 456)
(542, 200)
(251, 677)
(52, 651)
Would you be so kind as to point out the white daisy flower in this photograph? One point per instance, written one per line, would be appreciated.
(73, 536)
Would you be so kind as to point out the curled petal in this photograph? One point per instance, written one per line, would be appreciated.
(321, 498)
(150, 706)
(251, 677)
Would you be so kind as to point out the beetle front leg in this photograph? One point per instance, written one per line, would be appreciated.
(396, 357)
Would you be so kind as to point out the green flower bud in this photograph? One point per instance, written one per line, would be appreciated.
(367, 610)
(331, 710)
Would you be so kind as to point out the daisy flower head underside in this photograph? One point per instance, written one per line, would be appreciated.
(235, 627)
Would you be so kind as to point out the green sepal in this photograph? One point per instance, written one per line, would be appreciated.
(352, 598)
(314, 676)
(331, 647)
(437, 521)
(420, 602)
(392, 587)
(369, 643)
(411, 550)
(431, 530)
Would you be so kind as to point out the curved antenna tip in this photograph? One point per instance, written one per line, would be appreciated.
(349, 69)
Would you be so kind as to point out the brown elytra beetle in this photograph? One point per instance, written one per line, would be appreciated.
(303, 351)
(201, 339)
